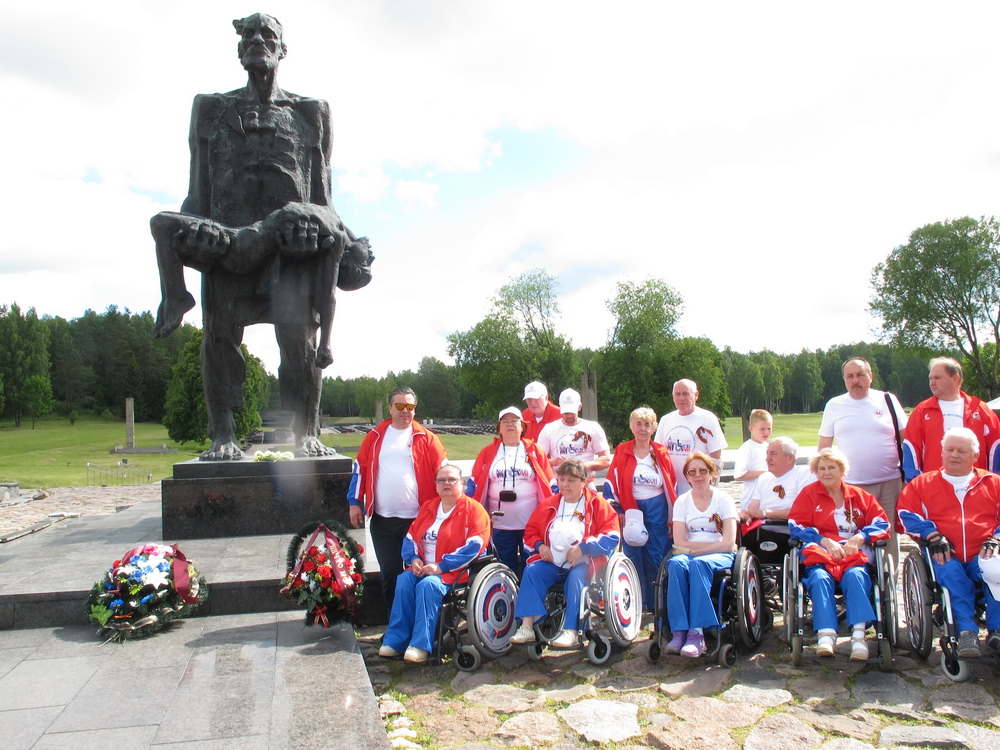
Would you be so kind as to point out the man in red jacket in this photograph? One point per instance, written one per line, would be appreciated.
(948, 407)
(540, 412)
(393, 477)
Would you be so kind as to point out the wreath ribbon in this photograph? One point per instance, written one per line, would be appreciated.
(341, 567)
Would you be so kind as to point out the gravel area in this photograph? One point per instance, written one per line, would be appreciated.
(34, 506)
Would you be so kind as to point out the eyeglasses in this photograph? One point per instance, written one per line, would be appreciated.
(697, 472)
(405, 407)
(448, 480)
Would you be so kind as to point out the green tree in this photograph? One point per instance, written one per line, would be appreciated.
(745, 386)
(805, 385)
(942, 289)
(185, 417)
(645, 313)
(24, 353)
(35, 397)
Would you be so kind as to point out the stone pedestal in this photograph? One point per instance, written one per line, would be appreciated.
(212, 499)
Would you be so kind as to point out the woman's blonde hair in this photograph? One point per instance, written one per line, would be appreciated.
(829, 454)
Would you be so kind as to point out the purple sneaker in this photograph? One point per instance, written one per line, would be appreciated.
(677, 642)
(695, 645)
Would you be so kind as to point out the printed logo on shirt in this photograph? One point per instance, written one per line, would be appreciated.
(700, 432)
(431, 535)
(680, 441)
(575, 445)
(512, 473)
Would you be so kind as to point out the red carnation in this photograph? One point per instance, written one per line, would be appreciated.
(325, 571)
(320, 557)
(357, 577)
(308, 565)
(325, 583)
(313, 551)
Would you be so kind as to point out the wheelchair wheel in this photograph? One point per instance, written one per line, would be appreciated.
(890, 605)
(535, 651)
(788, 586)
(749, 599)
(598, 649)
(796, 644)
(917, 595)
(468, 658)
(490, 609)
(955, 669)
(727, 655)
(661, 623)
(622, 600)
(885, 655)
(652, 651)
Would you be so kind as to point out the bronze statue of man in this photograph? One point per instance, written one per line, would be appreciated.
(259, 223)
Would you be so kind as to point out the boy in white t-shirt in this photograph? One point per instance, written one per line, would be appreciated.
(750, 458)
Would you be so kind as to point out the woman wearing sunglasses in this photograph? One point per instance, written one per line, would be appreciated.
(704, 529)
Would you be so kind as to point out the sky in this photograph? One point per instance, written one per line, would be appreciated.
(761, 158)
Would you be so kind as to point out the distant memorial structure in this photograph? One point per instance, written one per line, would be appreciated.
(259, 224)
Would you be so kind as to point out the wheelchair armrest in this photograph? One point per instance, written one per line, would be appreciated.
(881, 543)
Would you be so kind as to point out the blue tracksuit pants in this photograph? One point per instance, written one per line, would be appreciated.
(689, 589)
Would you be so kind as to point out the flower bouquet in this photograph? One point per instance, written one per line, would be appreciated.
(273, 456)
(325, 573)
(150, 586)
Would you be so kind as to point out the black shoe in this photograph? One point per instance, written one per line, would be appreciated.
(993, 640)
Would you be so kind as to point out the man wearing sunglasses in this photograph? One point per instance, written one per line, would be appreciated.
(393, 477)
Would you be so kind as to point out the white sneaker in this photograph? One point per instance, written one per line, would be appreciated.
(825, 645)
(415, 655)
(566, 639)
(859, 649)
(387, 651)
(524, 634)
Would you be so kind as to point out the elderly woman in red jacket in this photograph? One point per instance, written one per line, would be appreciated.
(448, 533)
(568, 531)
(510, 476)
(641, 483)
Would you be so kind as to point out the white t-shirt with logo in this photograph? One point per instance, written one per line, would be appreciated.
(751, 456)
(681, 436)
(583, 440)
(646, 481)
(704, 525)
(428, 544)
(510, 470)
(778, 493)
(396, 482)
(953, 413)
(862, 429)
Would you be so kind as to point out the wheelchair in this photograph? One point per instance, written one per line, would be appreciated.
(477, 615)
(739, 605)
(769, 543)
(795, 596)
(612, 611)
(928, 605)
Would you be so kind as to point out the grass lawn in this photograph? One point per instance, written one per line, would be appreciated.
(55, 453)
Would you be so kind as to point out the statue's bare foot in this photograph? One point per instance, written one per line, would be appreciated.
(324, 357)
(311, 446)
(171, 313)
(222, 450)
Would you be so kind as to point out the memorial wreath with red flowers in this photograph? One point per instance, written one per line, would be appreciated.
(150, 586)
(325, 574)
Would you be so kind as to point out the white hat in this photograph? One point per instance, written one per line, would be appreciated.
(535, 389)
(990, 568)
(510, 410)
(634, 532)
(563, 534)
(569, 401)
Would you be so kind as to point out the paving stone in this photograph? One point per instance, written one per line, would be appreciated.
(858, 725)
(505, 698)
(402, 732)
(930, 676)
(886, 689)
(402, 743)
(469, 724)
(968, 702)
(620, 684)
(588, 671)
(515, 659)
(978, 738)
(780, 732)
(530, 728)
(683, 735)
(465, 681)
(528, 675)
(818, 687)
(910, 736)
(757, 696)
(640, 665)
(567, 693)
(905, 714)
(846, 743)
(642, 700)
(418, 688)
(758, 677)
(659, 721)
(602, 721)
(690, 682)
(427, 704)
(715, 711)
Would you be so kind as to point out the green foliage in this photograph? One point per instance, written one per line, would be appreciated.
(514, 344)
(24, 353)
(744, 382)
(942, 288)
(35, 398)
(72, 416)
(805, 381)
(645, 313)
(185, 417)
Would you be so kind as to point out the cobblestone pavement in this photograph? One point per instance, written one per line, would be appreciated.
(24, 511)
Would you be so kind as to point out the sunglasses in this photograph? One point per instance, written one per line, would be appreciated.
(405, 407)
(697, 472)
(509, 422)
(448, 480)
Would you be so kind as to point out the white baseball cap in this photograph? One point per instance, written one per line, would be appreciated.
(990, 568)
(510, 410)
(634, 531)
(535, 389)
(569, 401)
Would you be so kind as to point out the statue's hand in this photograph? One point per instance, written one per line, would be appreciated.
(202, 241)
(302, 237)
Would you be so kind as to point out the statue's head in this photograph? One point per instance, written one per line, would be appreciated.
(260, 43)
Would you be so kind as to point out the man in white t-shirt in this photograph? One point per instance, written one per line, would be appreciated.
(777, 487)
(861, 423)
(689, 429)
(948, 407)
(572, 437)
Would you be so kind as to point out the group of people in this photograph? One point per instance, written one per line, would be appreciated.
(532, 495)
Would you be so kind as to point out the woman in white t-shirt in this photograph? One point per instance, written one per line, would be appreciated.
(704, 527)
